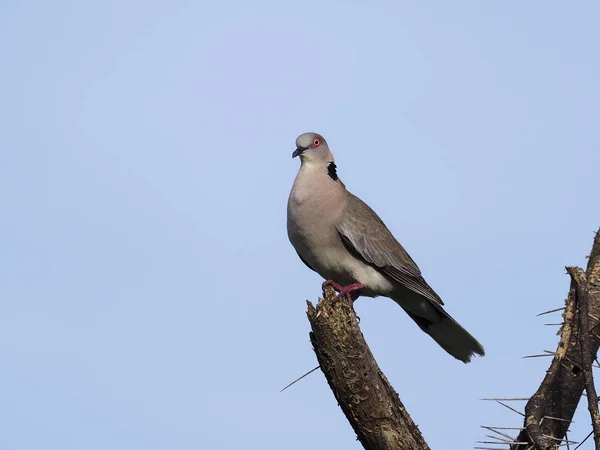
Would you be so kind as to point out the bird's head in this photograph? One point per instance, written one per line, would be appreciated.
(312, 147)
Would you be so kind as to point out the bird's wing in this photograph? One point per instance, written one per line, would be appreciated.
(365, 235)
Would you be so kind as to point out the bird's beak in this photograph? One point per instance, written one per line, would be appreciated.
(298, 151)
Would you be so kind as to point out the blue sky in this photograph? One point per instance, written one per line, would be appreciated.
(149, 295)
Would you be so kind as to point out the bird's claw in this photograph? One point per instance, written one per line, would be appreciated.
(343, 290)
(333, 284)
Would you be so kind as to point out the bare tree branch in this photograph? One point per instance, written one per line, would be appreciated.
(550, 410)
(364, 394)
(586, 356)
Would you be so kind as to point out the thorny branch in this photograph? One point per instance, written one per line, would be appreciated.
(550, 410)
(586, 354)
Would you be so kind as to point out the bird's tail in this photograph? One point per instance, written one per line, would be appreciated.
(447, 332)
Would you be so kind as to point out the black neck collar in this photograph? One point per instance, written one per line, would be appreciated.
(332, 171)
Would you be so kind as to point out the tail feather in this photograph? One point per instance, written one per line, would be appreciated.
(448, 333)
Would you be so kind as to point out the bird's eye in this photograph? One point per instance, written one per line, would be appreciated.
(316, 142)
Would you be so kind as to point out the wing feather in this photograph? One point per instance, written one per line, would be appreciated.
(365, 235)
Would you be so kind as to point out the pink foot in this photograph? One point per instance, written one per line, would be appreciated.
(343, 290)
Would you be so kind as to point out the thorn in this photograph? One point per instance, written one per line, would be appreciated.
(500, 443)
(506, 399)
(498, 432)
(586, 438)
(553, 324)
(556, 418)
(511, 408)
(565, 366)
(558, 439)
(537, 356)
(298, 379)
(502, 428)
(551, 311)
(502, 440)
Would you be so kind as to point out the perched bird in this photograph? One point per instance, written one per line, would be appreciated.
(341, 238)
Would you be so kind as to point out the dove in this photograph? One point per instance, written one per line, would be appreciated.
(341, 238)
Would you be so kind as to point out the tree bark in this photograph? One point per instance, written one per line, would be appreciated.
(549, 411)
(364, 394)
(587, 357)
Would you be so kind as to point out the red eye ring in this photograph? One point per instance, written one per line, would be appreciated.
(316, 142)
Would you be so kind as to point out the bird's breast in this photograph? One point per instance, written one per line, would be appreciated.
(318, 242)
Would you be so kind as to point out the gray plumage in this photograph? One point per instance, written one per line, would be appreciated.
(341, 238)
